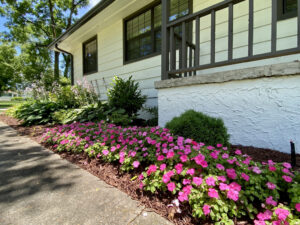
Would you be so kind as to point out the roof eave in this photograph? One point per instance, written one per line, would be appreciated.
(83, 20)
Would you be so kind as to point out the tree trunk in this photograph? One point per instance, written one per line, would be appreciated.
(67, 59)
(56, 65)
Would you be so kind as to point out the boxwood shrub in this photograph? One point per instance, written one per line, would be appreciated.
(200, 127)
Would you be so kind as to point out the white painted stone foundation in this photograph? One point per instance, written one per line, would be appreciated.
(262, 112)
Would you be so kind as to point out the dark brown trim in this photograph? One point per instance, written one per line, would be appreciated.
(83, 53)
(72, 62)
(280, 11)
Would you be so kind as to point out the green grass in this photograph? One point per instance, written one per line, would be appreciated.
(7, 104)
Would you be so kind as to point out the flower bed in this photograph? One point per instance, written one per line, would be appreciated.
(218, 186)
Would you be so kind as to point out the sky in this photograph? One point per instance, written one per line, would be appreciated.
(80, 14)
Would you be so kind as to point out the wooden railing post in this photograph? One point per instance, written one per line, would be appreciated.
(165, 40)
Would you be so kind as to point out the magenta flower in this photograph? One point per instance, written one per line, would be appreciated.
(235, 186)
(259, 222)
(190, 171)
(270, 201)
(297, 206)
(136, 164)
(197, 181)
(199, 158)
(225, 156)
(238, 152)
(256, 170)
(160, 158)
(105, 152)
(271, 186)
(267, 215)
(272, 168)
(206, 209)
(220, 167)
(231, 173)
(184, 158)
(186, 181)
(162, 167)
(210, 181)
(287, 165)
(170, 155)
(182, 196)
(287, 179)
(151, 169)
(171, 186)
(167, 176)
(141, 177)
(245, 176)
(178, 168)
(223, 187)
(233, 195)
(282, 214)
(213, 193)
(222, 178)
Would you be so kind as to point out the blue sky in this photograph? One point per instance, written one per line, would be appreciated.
(81, 13)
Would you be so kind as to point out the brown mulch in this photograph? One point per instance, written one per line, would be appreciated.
(128, 183)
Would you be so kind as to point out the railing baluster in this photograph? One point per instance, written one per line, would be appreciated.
(251, 28)
(184, 49)
(180, 56)
(190, 59)
(213, 37)
(165, 40)
(230, 31)
(197, 50)
(274, 26)
(172, 49)
(298, 2)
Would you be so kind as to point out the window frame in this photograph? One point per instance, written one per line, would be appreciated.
(151, 7)
(284, 16)
(83, 55)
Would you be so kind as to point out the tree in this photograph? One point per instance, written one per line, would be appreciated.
(9, 67)
(37, 23)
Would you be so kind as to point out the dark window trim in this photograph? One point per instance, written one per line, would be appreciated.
(281, 15)
(83, 53)
(137, 13)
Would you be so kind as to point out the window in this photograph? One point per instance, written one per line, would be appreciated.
(143, 30)
(287, 9)
(90, 56)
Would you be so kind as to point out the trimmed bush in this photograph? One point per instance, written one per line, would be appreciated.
(199, 127)
(125, 94)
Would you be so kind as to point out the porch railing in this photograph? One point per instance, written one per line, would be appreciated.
(187, 61)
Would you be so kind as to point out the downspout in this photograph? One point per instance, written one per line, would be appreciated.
(72, 62)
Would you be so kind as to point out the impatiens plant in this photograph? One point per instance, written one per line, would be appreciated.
(217, 185)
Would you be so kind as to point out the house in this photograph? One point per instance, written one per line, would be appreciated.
(234, 59)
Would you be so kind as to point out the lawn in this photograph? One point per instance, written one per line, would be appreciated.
(7, 104)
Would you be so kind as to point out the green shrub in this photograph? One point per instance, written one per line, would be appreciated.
(199, 127)
(36, 112)
(17, 99)
(125, 94)
(153, 111)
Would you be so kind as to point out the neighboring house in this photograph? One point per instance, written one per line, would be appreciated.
(234, 59)
(7, 96)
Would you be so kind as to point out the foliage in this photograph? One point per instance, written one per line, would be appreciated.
(200, 127)
(119, 117)
(6, 104)
(153, 111)
(36, 112)
(218, 186)
(125, 94)
(17, 99)
(9, 67)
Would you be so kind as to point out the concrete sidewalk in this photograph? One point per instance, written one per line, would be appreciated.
(38, 187)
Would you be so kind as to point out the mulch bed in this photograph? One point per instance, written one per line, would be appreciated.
(110, 173)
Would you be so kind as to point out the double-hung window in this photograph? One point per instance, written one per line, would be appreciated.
(142, 36)
(90, 56)
(287, 9)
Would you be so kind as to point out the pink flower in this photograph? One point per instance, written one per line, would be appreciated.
(220, 167)
(214, 154)
(287, 178)
(210, 181)
(267, 215)
(235, 186)
(167, 176)
(287, 165)
(182, 196)
(162, 167)
(136, 164)
(225, 156)
(170, 155)
(256, 170)
(297, 206)
(231, 173)
(160, 158)
(206, 209)
(184, 158)
(213, 193)
(105, 152)
(270, 201)
(190, 171)
(199, 158)
(271, 186)
(219, 145)
(238, 152)
(272, 168)
(186, 181)
(197, 181)
(141, 177)
(259, 222)
(151, 169)
(282, 214)
(233, 194)
(245, 176)
(171, 186)
(222, 178)
(223, 187)
(178, 168)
